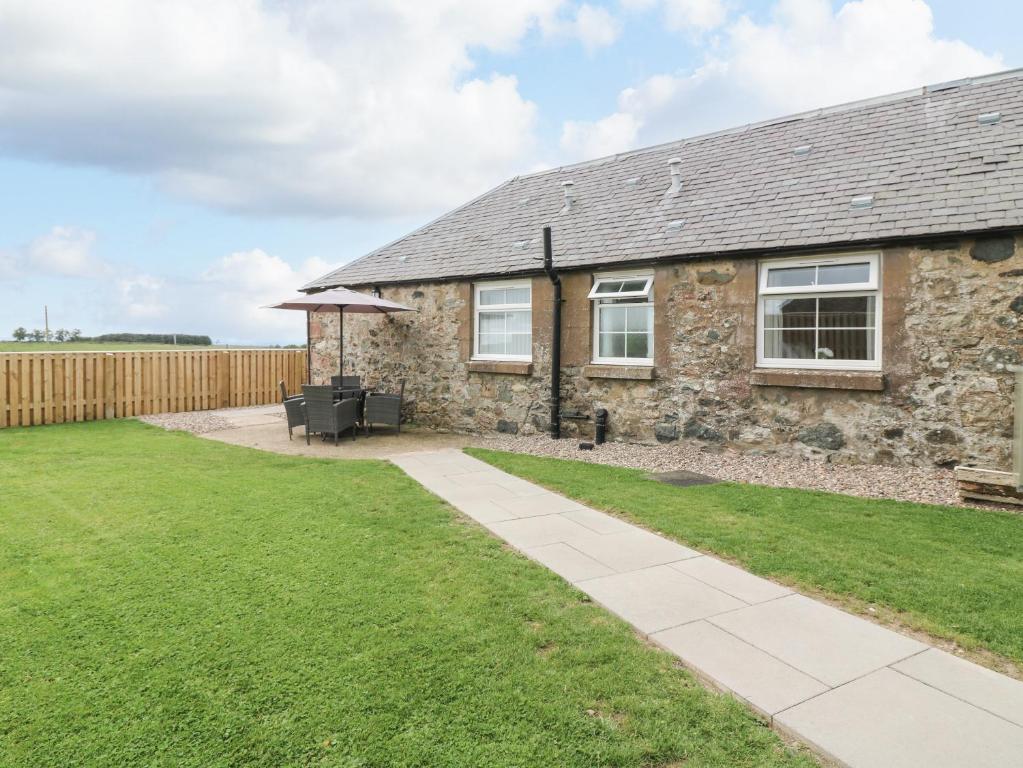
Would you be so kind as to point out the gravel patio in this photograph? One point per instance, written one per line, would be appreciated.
(261, 427)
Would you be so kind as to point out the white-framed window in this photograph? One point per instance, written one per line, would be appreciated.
(820, 313)
(503, 321)
(623, 319)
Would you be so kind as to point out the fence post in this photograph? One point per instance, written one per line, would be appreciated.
(109, 386)
(223, 379)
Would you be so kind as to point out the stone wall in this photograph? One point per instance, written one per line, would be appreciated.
(952, 323)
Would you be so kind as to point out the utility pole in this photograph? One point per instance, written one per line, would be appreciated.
(46, 321)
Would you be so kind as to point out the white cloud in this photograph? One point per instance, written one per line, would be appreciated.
(593, 26)
(65, 251)
(225, 300)
(142, 298)
(685, 15)
(807, 56)
(315, 106)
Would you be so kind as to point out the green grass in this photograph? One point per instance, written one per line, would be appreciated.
(171, 601)
(953, 572)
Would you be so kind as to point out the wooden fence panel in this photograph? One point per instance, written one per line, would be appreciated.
(56, 387)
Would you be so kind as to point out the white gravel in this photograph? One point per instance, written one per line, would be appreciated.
(196, 422)
(930, 486)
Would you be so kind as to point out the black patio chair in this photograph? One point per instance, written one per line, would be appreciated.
(326, 416)
(345, 383)
(383, 408)
(294, 408)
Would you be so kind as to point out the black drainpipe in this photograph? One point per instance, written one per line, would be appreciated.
(548, 267)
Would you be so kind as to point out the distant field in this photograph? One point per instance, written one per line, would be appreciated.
(102, 346)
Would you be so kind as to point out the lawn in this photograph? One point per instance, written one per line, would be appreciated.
(171, 601)
(953, 572)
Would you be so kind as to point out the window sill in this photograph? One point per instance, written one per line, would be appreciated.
(813, 378)
(605, 371)
(515, 367)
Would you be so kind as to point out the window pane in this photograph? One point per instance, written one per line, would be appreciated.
(789, 277)
(519, 321)
(633, 285)
(639, 318)
(838, 274)
(516, 295)
(612, 345)
(492, 322)
(637, 345)
(789, 344)
(519, 343)
(612, 318)
(790, 313)
(491, 344)
(847, 312)
(491, 296)
(846, 344)
(608, 286)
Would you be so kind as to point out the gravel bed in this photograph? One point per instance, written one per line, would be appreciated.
(929, 486)
(196, 422)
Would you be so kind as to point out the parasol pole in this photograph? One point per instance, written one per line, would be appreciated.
(341, 341)
(308, 348)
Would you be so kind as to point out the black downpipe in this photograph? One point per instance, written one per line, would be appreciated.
(548, 267)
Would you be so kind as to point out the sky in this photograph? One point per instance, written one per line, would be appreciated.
(173, 166)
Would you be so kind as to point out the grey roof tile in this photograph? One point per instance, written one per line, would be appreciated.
(932, 168)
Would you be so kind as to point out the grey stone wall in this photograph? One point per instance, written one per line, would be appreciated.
(952, 324)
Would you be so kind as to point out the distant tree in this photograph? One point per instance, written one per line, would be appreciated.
(20, 334)
(74, 335)
(37, 335)
(61, 334)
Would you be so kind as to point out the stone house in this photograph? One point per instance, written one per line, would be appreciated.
(845, 283)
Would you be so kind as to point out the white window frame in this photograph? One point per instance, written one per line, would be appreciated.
(872, 287)
(596, 309)
(477, 308)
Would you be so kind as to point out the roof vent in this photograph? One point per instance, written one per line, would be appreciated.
(524, 200)
(675, 164)
(569, 196)
(632, 182)
(675, 226)
(520, 244)
(403, 258)
(862, 201)
(989, 118)
(802, 150)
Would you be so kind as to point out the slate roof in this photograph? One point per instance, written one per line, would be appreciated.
(932, 167)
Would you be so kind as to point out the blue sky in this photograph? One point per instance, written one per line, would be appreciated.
(147, 189)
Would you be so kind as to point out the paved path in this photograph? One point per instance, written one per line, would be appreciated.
(860, 694)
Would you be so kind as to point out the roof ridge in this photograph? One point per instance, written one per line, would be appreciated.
(846, 106)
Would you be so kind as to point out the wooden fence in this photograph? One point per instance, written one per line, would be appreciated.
(55, 387)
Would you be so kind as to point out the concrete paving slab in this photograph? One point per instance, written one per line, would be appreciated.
(485, 511)
(598, 521)
(982, 687)
(540, 504)
(656, 598)
(735, 581)
(824, 642)
(633, 549)
(477, 477)
(530, 532)
(568, 562)
(766, 683)
(889, 720)
(459, 494)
